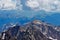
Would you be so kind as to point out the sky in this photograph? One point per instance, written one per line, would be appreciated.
(37, 5)
(12, 11)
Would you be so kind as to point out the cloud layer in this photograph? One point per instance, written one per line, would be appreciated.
(47, 5)
(9, 4)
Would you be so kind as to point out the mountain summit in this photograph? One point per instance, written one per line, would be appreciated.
(35, 30)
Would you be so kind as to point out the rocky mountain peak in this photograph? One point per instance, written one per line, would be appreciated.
(35, 30)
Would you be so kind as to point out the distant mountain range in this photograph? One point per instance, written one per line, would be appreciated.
(34, 30)
(14, 16)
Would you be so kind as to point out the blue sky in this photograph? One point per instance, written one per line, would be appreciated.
(22, 11)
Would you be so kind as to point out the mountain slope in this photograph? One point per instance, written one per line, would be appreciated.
(35, 30)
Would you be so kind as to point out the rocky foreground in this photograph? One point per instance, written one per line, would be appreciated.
(35, 30)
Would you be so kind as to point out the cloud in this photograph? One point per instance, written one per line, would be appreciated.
(32, 4)
(47, 5)
(9, 5)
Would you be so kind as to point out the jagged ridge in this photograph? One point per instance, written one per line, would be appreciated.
(35, 30)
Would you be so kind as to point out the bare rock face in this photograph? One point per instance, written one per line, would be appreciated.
(35, 30)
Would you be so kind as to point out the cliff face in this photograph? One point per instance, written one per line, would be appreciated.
(35, 30)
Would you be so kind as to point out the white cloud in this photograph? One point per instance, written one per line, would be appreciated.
(9, 5)
(33, 4)
(47, 5)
